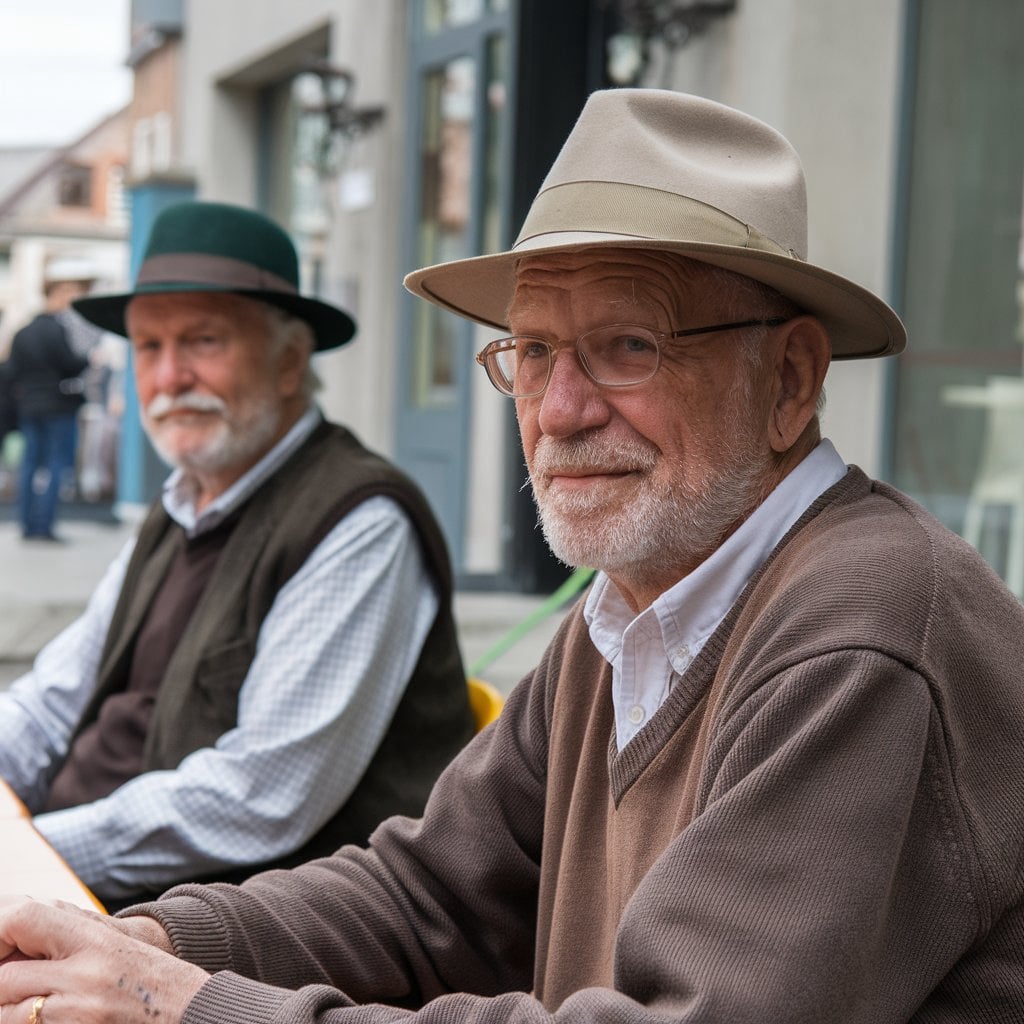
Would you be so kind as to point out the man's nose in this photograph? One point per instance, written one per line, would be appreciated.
(172, 373)
(572, 401)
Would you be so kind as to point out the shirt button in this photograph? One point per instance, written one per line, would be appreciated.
(636, 714)
(681, 658)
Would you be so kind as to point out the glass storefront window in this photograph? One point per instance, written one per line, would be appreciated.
(960, 387)
(446, 159)
(439, 15)
(494, 129)
(291, 187)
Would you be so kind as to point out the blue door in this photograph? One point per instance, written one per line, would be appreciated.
(457, 105)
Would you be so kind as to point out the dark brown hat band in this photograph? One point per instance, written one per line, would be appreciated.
(203, 268)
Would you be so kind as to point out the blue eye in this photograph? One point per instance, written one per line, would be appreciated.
(532, 350)
(634, 345)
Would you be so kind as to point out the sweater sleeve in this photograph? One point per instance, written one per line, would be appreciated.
(437, 905)
(826, 876)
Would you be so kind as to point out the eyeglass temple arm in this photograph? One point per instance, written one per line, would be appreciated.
(770, 322)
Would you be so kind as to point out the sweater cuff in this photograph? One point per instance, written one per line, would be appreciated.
(228, 998)
(196, 932)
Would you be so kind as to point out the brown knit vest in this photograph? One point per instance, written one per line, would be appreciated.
(109, 751)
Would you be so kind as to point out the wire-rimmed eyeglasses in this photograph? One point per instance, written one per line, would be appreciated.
(614, 356)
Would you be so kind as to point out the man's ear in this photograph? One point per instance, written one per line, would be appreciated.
(802, 357)
(291, 368)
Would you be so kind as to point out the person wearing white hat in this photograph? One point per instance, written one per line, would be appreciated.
(770, 769)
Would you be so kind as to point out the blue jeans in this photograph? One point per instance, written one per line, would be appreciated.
(50, 443)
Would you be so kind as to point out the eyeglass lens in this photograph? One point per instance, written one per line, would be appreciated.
(616, 355)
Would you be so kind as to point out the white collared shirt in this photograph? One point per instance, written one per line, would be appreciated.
(180, 491)
(648, 651)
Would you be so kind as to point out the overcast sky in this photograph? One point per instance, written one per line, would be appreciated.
(61, 67)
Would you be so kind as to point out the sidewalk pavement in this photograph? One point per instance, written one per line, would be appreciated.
(44, 587)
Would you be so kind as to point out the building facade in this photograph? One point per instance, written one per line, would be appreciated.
(390, 135)
(65, 202)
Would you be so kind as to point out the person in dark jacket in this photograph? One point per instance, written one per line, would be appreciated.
(45, 374)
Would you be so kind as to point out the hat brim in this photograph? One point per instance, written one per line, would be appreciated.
(860, 325)
(331, 326)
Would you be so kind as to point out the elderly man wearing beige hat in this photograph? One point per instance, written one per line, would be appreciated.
(771, 767)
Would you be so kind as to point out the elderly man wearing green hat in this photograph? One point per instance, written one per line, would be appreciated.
(770, 769)
(270, 668)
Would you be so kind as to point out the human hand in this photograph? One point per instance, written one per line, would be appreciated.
(90, 969)
(144, 929)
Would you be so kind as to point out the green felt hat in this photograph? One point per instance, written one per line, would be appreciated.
(218, 247)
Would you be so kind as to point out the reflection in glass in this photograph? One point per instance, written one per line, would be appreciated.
(438, 15)
(494, 129)
(960, 387)
(441, 14)
(446, 166)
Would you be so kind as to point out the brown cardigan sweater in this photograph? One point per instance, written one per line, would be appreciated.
(823, 823)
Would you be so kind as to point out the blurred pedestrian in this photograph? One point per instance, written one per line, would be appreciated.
(45, 370)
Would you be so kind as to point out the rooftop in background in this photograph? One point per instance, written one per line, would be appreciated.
(18, 162)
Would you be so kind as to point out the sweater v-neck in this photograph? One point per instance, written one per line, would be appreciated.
(690, 692)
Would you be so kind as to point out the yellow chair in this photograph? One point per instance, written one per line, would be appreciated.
(484, 701)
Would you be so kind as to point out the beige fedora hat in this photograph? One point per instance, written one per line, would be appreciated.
(655, 169)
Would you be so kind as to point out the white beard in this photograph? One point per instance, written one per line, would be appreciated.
(237, 439)
(667, 522)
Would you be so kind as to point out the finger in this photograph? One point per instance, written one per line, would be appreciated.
(28, 1010)
(74, 908)
(8, 947)
(22, 982)
(35, 929)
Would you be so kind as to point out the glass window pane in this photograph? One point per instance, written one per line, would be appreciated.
(292, 183)
(441, 14)
(446, 155)
(960, 394)
(494, 129)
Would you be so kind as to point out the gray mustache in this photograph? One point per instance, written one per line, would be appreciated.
(552, 456)
(163, 405)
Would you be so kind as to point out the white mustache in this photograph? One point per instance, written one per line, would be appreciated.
(163, 405)
(553, 456)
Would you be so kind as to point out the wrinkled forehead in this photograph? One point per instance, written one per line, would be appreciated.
(156, 305)
(671, 282)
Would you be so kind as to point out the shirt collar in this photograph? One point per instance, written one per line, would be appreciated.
(179, 490)
(691, 610)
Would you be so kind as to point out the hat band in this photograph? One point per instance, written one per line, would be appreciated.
(636, 211)
(204, 268)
